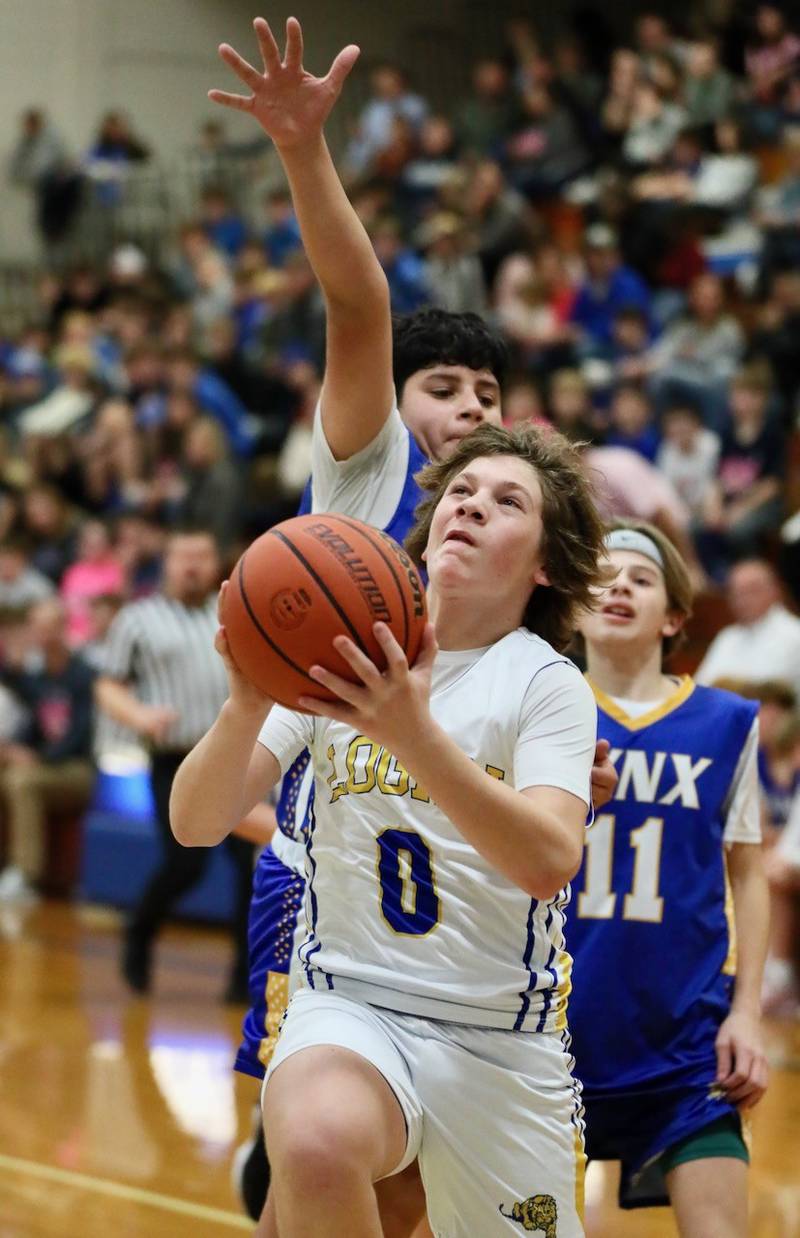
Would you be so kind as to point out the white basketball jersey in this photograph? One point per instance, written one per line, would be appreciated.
(402, 912)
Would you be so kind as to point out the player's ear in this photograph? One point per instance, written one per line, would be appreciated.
(540, 576)
(673, 623)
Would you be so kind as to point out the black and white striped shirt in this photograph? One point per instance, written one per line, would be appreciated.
(165, 650)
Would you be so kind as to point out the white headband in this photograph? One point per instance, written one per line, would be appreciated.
(632, 539)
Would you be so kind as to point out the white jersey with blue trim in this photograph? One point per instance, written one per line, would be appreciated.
(402, 911)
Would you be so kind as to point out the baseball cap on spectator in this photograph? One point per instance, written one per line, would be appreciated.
(601, 236)
(127, 262)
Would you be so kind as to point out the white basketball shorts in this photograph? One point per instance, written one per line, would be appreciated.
(494, 1116)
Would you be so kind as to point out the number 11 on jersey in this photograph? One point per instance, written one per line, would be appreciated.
(597, 900)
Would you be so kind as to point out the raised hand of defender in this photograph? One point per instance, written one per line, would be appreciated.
(290, 104)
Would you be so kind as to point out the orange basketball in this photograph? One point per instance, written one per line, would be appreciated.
(308, 580)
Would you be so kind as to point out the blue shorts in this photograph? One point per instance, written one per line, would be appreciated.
(277, 901)
(636, 1127)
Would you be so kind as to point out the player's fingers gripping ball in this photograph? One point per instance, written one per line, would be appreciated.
(308, 580)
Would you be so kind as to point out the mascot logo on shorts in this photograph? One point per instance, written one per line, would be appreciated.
(537, 1214)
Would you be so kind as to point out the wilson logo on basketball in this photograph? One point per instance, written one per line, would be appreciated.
(289, 608)
(356, 568)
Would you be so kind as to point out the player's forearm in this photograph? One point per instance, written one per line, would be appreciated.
(258, 826)
(750, 890)
(119, 702)
(209, 795)
(337, 245)
(529, 844)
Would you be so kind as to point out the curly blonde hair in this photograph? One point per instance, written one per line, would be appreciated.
(572, 531)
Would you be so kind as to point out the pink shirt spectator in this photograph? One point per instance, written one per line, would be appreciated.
(628, 485)
(84, 580)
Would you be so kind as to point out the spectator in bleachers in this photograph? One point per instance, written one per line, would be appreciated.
(392, 98)
(281, 237)
(709, 89)
(697, 355)
(40, 162)
(48, 766)
(569, 406)
(21, 584)
(72, 398)
(608, 287)
(452, 270)
(688, 456)
(778, 752)
(746, 502)
(223, 223)
(654, 124)
(107, 160)
(631, 422)
(764, 641)
(213, 497)
(51, 526)
(402, 267)
(186, 375)
(770, 58)
(777, 210)
(139, 544)
(534, 298)
(95, 571)
(499, 216)
(430, 168)
(617, 108)
(487, 115)
(522, 401)
(546, 151)
(775, 335)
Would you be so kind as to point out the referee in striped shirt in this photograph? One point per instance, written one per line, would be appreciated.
(162, 678)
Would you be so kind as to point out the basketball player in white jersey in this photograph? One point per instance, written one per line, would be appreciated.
(450, 803)
(446, 369)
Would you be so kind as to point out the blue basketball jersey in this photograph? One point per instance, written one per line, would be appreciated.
(650, 924)
(398, 528)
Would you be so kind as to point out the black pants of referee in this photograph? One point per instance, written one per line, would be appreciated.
(183, 867)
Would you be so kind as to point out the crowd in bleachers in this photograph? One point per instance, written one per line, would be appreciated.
(626, 210)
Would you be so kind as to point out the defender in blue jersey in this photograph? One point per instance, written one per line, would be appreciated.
(664, 1016)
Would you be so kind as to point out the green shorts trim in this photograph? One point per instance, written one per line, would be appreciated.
(722, 1137)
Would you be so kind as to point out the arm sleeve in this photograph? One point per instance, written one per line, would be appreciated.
(120, 650)
(369, 484)
(743, 806)
(286, 733)
(558, 732)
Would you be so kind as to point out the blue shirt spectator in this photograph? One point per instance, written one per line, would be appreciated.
(608, 288)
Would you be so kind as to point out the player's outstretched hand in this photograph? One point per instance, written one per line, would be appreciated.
(389, 706)
(241, 692)
(742, 1070)
(290, 104)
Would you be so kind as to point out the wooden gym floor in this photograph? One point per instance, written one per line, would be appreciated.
(119, 1115)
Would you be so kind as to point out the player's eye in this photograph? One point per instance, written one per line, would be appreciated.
(441, 393)
(510, 500)
(488, 401)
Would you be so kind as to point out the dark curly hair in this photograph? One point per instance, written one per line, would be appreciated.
(572, 531)
(438, 337)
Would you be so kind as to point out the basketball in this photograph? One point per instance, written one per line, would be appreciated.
(308, 580)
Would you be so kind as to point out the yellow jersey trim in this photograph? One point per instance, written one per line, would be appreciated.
(682, 693)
